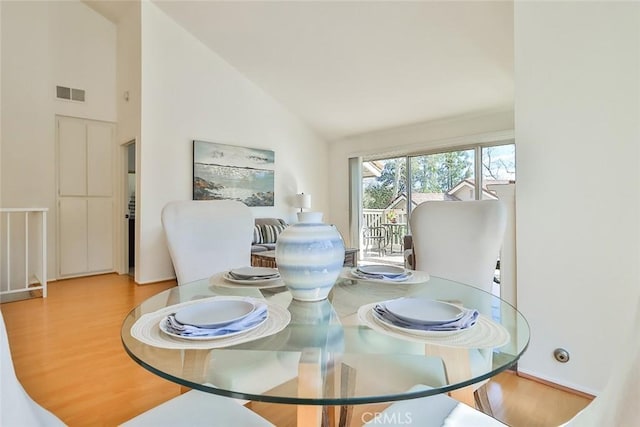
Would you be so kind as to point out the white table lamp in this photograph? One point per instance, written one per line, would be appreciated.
(303, 201)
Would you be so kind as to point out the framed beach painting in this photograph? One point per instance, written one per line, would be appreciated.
(231, 172)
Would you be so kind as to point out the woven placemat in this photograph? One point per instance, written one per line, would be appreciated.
(146, 329)
(484, 334)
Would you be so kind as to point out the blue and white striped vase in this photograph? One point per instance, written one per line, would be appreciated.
(310, 255)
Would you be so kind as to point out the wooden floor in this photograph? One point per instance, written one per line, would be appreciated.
(68, 355)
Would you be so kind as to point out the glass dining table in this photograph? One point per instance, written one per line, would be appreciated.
(327, 356)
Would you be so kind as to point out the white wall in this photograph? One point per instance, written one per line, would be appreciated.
(129, 112)
(128, 75)
(45, 44)
(189, 92)
(417, 138)
(577, 128)
(0, 106)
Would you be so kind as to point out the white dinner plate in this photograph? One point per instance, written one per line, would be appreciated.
(227, 277)
(417, 332)
(385, 270)
(163, 328)
(423, 310)
(250, 272)
(215, 313)
(386, 279)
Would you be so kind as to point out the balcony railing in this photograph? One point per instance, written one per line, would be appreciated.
(377, 217)
(23, 250)
(394, 224)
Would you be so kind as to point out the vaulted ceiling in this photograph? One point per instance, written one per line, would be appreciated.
(347, 68)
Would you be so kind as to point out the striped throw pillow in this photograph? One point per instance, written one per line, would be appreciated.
(257, 235)
(270, 232)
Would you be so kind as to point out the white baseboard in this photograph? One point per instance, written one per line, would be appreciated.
(157, 280)
(564, 384)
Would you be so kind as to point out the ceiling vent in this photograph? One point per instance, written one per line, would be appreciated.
(70, 94)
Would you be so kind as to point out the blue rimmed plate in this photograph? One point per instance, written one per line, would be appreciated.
(423, 311)
(214, 314)
(383, 270)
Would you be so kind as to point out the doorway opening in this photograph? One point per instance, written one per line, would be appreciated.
(130, 203)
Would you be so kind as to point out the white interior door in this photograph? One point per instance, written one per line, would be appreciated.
(85, 196)
(99, 159)
(72, 220)
(72, 154)
(100, 234)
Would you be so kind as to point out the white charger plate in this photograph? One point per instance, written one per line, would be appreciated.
(163, 328)
(214, 314)
(400, 278)
(386, 270)
(227, 277)
(248, 272)
(423, 310)
(485, 334)
(413, 277)
(410, 331)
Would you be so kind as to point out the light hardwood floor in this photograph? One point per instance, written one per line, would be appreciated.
(68, 355)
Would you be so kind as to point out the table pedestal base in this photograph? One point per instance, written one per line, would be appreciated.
(457, 367)
(311, 384)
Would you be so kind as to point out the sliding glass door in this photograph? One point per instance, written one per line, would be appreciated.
(384, 210)
(392, 187)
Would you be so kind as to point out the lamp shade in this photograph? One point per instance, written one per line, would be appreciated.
(302, 201)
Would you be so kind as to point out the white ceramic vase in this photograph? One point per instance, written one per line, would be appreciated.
(310, 255)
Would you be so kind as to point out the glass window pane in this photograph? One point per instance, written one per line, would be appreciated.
(383, 181)
(498, 167)
(439, 176)
(384, 210)
(443, 176)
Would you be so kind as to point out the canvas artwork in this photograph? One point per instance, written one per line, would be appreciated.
(230, 172)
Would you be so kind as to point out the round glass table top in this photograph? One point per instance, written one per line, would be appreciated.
(330, 352)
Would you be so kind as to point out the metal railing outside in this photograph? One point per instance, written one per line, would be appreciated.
(394, 223)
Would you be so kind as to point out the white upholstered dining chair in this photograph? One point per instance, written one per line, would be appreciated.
(461, 241)
(198, 409)
(433, 411)
(207, 237)
(17, 409)
(204, 238)
(617, 405)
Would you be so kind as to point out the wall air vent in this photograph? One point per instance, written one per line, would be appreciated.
(77, 95)
(70, 94)
(63, 92)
